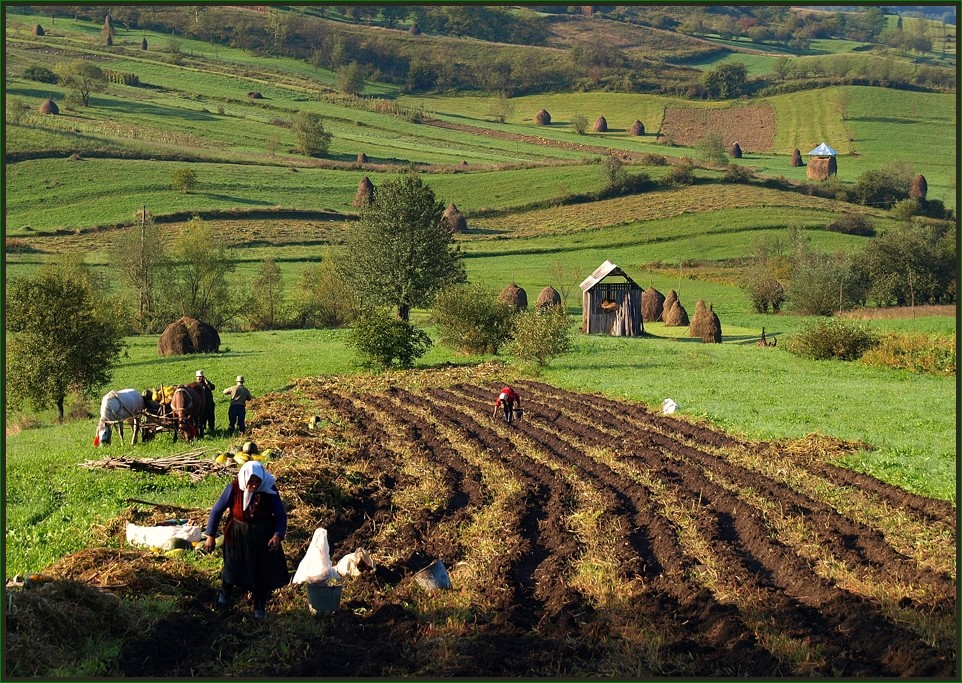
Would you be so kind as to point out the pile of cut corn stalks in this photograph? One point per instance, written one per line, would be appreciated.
(195, 464)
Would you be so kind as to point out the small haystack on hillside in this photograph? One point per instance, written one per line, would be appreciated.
(542, 118)
(670, 300)
(254, 95)
(455, 219)
(548, 298)
(797, 159)
(515, 295)
(188, 335)
(38, 30)
(143, 43)
(601, 125)
(920, 187)
(365, 192)
(735, 152)
(676, 316)
(714, 335)
(361, 158)
(49, 107)
(652, 305)
(415, 30)
(637, 128)
(822, 164)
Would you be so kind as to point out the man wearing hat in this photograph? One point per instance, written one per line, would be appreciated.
(239, 396)
(208, 388)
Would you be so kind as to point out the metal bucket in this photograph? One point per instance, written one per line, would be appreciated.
(323, 598)
(433, 577)
(518, 413)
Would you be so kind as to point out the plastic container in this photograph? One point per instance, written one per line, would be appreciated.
(323, 598)
(433, 577)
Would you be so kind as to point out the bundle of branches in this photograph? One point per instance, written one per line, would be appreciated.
(196, 464)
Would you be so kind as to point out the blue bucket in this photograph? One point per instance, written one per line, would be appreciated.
(433, 577)
(323, 598)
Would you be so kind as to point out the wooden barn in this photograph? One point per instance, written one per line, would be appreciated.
(611, 303)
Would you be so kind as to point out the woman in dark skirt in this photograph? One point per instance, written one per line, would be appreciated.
(253, 557)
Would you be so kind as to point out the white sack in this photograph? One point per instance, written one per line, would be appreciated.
(350, 564)
(156, 536)
(316, 565)
(668, 406)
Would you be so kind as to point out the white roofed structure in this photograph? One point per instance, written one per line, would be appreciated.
(823, 150)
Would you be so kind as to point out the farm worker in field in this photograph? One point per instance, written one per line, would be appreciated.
(237, 411)
(507, 400)
(208, 387)
(253, 555)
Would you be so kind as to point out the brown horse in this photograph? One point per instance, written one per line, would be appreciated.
(188, 406)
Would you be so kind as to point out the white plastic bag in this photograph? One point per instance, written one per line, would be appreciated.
(156, 536)
(668, 406)
(316, 565)
(350, 564)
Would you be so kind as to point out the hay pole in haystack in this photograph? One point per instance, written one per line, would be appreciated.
(822, 164)
(611, 307)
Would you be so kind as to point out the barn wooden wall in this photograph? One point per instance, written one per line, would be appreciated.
(624, 321)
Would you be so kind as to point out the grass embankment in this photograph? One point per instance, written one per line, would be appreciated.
(53, 505)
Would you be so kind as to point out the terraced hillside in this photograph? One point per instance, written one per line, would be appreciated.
(593, 537)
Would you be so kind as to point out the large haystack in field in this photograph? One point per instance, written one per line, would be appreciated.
(652, 305)
(542, 118)
(637, 128)
(188, 335)
(699, 320)
(548, 298)
(714, 335)
(735, 152)
(38, 30)
(821, 168)
(515, 295)
(49, 107)
(455, 219)
(670, 300)
(676, 316)
(705, 324)
(822, 164)
(920, 187)
(365, 192)
(601, 125)
(797, 159)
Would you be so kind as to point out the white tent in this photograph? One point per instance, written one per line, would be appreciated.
(823, 150)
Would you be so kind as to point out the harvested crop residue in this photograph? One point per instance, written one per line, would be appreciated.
(753, 128)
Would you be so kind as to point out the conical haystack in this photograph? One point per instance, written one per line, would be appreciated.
(143, 43)
(188, 335)
(255, 95)
(637, 128)
(455, 219)
(361, 158)
(821, 168)
(542, 118)
(601, 125)
(920, 187)
(735, 152)
(676, 316)
(415, 30)
(797, 159)
(38, 30)
(652, 305)
(699, 322)
(49, 107)
(548, 298)
(714, 332)
(365, 192)
(109, 40)
(670, 300)
(515, 295)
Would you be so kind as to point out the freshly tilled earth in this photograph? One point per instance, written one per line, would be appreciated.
(592, 537)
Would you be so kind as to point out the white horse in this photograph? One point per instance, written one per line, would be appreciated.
(117, 407)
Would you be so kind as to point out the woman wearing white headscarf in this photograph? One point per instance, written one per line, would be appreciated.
(253, 556)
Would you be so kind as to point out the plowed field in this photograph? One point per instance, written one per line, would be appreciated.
(593, 537)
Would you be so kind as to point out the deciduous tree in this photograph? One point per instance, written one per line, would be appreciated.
(309, 134)
(81, 77)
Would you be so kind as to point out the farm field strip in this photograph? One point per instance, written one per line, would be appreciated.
(773, 560)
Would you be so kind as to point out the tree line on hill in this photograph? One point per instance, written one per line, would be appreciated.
(427, 65)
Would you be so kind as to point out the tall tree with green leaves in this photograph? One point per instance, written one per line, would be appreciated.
(138, 255)
(401, 254)
(198, 285)
(81, 78)
(266, 303)
(309, 134)
(64, 336)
